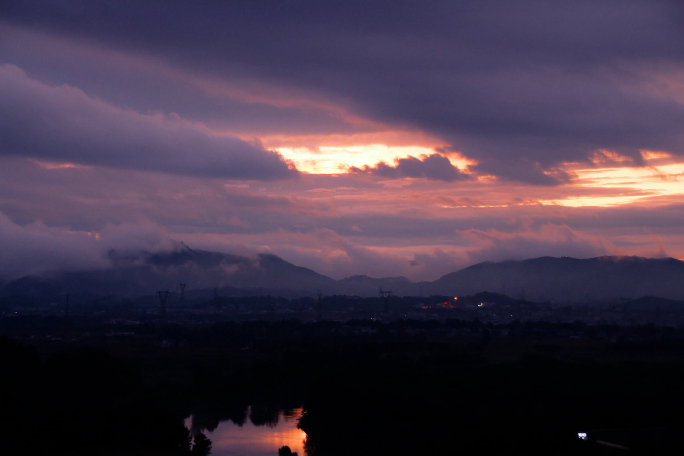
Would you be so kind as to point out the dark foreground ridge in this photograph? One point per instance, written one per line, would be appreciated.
(367, 387)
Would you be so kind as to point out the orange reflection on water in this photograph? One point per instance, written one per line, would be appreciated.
(229, 439)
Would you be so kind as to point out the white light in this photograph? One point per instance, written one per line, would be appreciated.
(582, 435)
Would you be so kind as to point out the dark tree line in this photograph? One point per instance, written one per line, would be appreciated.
(84, 401)
(402, 387)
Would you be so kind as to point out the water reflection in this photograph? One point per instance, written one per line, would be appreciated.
(262, 434)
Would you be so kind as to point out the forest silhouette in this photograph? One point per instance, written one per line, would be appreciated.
(366, 387)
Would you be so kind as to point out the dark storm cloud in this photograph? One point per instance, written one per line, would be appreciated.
(544, 82)
(434, 166)
(63, 124)
(144, 85)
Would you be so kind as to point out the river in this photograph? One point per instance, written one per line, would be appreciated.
(230, 439)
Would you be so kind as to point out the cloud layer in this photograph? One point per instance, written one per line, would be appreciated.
(63, 124)
(521, 87)
(36, 248)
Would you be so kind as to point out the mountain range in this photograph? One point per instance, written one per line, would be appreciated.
(541, 279)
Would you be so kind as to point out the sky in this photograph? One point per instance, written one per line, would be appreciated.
(386, 138)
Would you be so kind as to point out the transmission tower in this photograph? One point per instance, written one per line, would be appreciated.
(385, 296)
(181, 298)
(163, 296)
(319, 305)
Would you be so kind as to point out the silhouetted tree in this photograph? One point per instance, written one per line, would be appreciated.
(201, 445)
(185, 441)
(286, 451)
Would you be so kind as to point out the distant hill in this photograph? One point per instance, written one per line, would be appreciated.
(570, 279)
(143, 273)
(540, 279)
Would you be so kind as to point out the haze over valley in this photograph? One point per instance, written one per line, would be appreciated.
(545, 279)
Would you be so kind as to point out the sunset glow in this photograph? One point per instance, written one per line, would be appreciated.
(230, 439)
(639, 182)
(314, 228)
(338, 160)
(48, 165)
(338, 144)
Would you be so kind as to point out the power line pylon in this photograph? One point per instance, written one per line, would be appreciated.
(163, 296)
(319, 306)
(385, 296)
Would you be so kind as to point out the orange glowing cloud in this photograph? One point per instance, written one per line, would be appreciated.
(339, 159)
(614, 184)
(606, 156)
(51, 165)
(650, 155)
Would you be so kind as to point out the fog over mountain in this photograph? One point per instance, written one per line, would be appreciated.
(140, 273)
(542, 279)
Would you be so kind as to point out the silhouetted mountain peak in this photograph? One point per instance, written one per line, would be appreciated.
(570, 279)
(537, 279)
